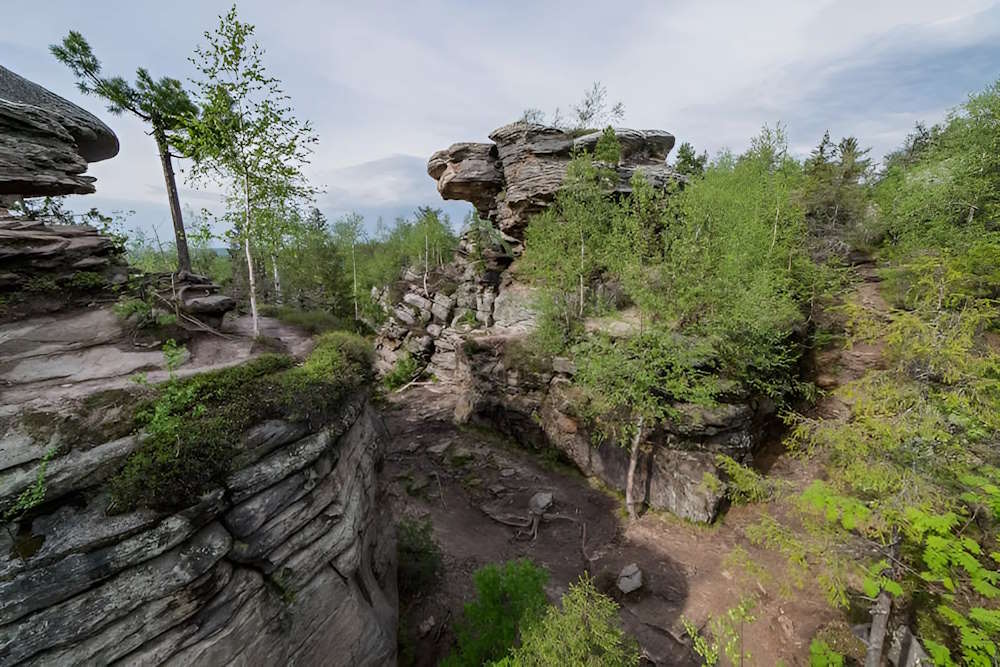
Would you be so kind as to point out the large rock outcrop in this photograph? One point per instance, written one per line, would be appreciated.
(47, 141)
(288, 563)
(469, 324)
(519, 174)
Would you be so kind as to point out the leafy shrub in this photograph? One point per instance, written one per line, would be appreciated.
(582, 630)
(406, 369)
(744, 485)
(509, 598)
(419, 558)
(821, 655)
(193, 428)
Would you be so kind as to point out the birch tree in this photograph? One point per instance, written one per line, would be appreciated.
(349, 232)
(246, 137)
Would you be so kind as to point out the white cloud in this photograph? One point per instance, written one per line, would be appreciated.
(381, 79)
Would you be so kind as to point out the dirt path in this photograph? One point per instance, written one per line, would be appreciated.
(447, 474)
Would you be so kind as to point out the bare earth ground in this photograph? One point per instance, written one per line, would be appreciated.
(439, 471)
(448, 474)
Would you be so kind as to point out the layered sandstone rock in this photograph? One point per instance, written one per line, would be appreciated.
(47, 141)
(288, 563)
(519, 174)
(534, 401)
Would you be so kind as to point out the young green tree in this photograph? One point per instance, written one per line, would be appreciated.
(688, 162)
(246, 136)
(349, 231)
(163, 104)
(583, 629)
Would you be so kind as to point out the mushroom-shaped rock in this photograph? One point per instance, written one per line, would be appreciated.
(519, 174)
(47, 141)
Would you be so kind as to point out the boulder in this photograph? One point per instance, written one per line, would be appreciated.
(47, 141)
(630, 579)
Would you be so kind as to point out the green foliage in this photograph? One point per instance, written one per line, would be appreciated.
(313, 321)
(192, 430)
(641, 377)
(583, 630)
(724, 636)
(914, 472)
(821, 655)
(608, 149)
(419, 558)
(743, 484)
(406, 369)
(33, 495)
(509, 599)
(142, 314)
(247, 139)
(688, 162)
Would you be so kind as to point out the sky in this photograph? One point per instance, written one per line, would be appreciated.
(386, 84)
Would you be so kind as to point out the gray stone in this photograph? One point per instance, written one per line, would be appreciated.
(540, 502)
(563, 365)
(417, 301)
(905, 650)
(439, 449)
(630, 579)
(47, 141)
(84, 614)
(514, 308)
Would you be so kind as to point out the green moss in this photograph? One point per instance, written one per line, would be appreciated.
(406, 369)
(86, 280)
(194, 427)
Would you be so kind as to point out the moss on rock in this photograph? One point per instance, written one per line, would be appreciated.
(193, 429)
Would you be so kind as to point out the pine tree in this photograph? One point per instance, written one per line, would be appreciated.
(163, 104)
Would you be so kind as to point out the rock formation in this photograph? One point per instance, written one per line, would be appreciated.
(46, 141)
(468, 324)
(285, 561)
(519, 174)
(288, 563)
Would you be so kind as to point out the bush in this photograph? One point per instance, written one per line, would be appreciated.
(419, 558)
(406, 369)
(193, 428)
(509, 598)
(583, 630)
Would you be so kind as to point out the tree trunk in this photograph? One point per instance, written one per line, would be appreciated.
(427, 261)
(246, 248)
(633, 461)
(354, 266)
(183, 257)
(277, 279)
(581, 273)
(880, 623)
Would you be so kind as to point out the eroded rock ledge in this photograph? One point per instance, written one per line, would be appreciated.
(289, 563)
(519, 174)
(47, 141)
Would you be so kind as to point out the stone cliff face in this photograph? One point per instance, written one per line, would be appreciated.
(468, 324)
(289, 563)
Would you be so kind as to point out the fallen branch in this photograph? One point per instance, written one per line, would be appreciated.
(440, 489)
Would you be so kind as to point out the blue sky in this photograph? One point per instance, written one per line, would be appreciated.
(386, 84)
